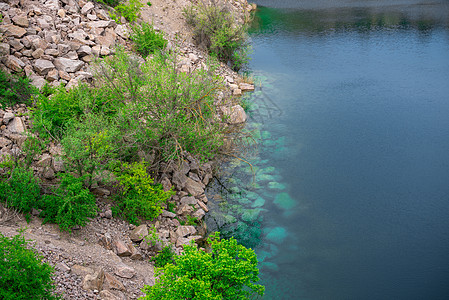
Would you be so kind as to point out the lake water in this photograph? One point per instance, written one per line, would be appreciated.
(348, 193)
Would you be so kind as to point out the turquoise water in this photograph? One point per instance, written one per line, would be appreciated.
(347, 195)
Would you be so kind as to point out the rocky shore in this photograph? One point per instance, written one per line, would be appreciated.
(55, 41)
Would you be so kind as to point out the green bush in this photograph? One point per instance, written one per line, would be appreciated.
(89, 144)
(15, 90)
(55, 109)
(139, 196)
(130, 11)
(147, 39)
(215, 28)
(163, 110)
(20, 191)
(166, 256)
(228, 272)
(112, 3)
(23, 276)
(70, 205)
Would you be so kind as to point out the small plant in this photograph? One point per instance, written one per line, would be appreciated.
(149, 3)
(140, 197)
(20, 191)
(192, 221)
(15, 90)
(215, 28)
(171, 207)
(166, 256)
(130, 11)
(147, 39)
(229, 271)
(112, 3)
(23, 275)
(70, 205)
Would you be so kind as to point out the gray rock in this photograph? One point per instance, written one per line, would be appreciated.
(199, 214)
(39, 43)
(38, 81)
(94, 281)
(5, 49)
(68, 65)
(8, 116)
(184, 231)
(12, 30)
(168, 214)
(124, 271)
(122, 30)
(121, 249)
(84, 50)
(179, 180)
(53, 75)
(246, 87)
(14, 63)
(111, 282)
(21, 20)
(139, 233)
(87, 8)
(4, 142)
(100, 24)
(193, 188)
(45, 160)
(236, 114)
(203, 206)
(43, 66)
(188, 200)
(16, 125)
(108, 295)
(16, 44)
(61, 266)
(38, 53)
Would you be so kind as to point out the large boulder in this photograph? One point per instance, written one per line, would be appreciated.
(94, 281)
(43, 66)
(139, 233)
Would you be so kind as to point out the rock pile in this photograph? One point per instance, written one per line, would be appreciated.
(54, 40)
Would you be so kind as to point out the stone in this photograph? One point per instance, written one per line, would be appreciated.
(49, 173)
(179, 179)
(84, 50)
(139, 233)
(58, 164)
(284, 201)
(207, 178)
(259, 202)
(105, 51)
(12, 30)
(94, 281)
(184, 231)
(246, 87)
(38, 81)
(237, 92)
(273, 185)
(61, 266)
(16, 125)
(87, 8)
(121, 249)
(52, 52)
(168, 214)
(106, 241)
(124, 271)
(8, 116)
(39, 43)
(188, 200)
(45, 160)
(53, 75)
(122, 30)
(14, 63)
(68, 65)
(166, 184)
(5, 49)
(111, 282)
(193, 188)
(74, 82)
(100, 24)
(108, 295)
(236, 114)
(43, 24)
(21, 20)
(43, 66)
(16, 44)
(61, 13)
(64, 75)
(202, 205)
(4, 142)
(181, 241)
(38, 53)
(185, 209)
(81, 270)
(251, 215)
(135, 254)
(199, 214)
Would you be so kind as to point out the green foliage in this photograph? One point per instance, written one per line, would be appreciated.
(23, 276)
(89, 144)
(139, 197)
(228, 272)
(191, 220)
(70, 205)
(166, 256)
(112, 3)
(164, 110)
(216, 29)
(147, 39)
(149, 3)
(15, 90)
(130, 11)
(55, 108)
(20, 191)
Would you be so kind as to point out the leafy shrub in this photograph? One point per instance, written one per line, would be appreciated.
(112, 3)
(89, 144)
(215, 28)
(130, 11)
(139, 197)
(166, 256)
(20, 191)
(15, 90)
(147, 39)
(23, 275)
(163, 110)
(56, 108)
(70, 205)
(229, 271)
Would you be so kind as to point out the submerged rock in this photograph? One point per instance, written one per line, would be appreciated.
(251, 215)
(259, 202)
(276, 235)
(273, 185)
(284, 201)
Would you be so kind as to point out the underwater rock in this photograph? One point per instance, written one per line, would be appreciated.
(276, 235)
(259, 202)
(251, 215)
(273, 185)
(284, 201)
(269, 266)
